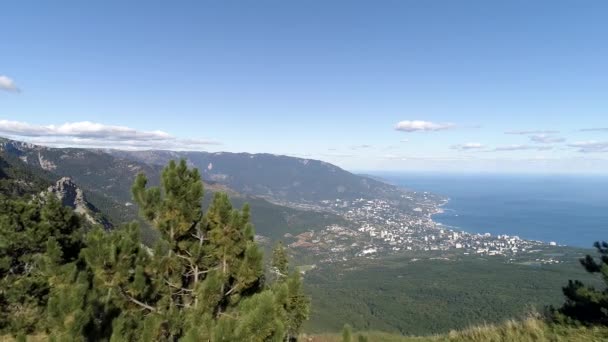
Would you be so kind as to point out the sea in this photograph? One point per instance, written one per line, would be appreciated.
(566, 209)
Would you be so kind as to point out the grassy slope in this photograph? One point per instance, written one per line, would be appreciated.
(527, 330)
(431, 296)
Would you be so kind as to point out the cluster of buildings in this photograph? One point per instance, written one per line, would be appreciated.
(381, 227)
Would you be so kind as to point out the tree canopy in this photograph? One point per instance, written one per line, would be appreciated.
(585, 303)
(203, 280)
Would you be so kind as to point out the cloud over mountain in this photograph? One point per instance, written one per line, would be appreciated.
(422, 126)
(521, 148)
(590, 146)
(360, 147)
(91, 134)
(468, 146)
(532, 132)
(546, 139)
(595, 129)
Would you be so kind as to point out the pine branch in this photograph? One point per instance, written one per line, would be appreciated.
(276, 271)
(231, 290)
(135, 301)
(177, 287)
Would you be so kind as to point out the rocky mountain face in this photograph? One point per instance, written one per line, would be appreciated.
(278, 178)
(73, 196)
(106, 180)
(91, 169)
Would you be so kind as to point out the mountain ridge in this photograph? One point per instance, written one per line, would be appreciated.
(107, 181)
(284, 179)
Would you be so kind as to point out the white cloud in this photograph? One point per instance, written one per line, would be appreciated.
(90, 134)
(468, 146)
(360, 147)
(337, 155)
(425, 158)
(595, 129)
(521, 148)
(8, 84)
(546, 139)
(590, 146)
(84, 129)
(532, 132)
(422, 126)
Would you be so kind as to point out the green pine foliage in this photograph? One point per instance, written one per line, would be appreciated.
(37, 240)
(296, 305)
(585, 303)
(362, 338)
(203, 280)
(347, 333)
(17, 179)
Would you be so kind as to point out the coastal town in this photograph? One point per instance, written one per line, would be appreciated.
(381, 227)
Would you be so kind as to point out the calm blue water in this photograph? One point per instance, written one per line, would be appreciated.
(570, 210)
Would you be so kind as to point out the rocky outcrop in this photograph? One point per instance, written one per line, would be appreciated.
(72, 196)
(46, 164)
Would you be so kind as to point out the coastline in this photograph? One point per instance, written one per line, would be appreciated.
(572, 211)
(441, 210)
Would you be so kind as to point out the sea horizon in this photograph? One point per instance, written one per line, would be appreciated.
(568, 209)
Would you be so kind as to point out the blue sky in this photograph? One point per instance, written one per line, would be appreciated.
(322, 79)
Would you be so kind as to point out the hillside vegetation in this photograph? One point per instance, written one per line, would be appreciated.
(528, 330)
(422, 295)
(203, 280)
(106, 178)
(281, 178)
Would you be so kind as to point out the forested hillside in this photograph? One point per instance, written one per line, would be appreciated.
(276, 177)
(106, 180)
(421, 295)
(17, 179)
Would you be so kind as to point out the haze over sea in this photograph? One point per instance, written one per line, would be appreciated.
(567, 209)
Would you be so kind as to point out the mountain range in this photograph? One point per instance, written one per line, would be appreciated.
(274, 177)
(282, 191)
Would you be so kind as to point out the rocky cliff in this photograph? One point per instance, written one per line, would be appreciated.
(72, 196)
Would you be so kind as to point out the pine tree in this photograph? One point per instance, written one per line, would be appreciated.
(297, 305)
(347, 333)
(280, 263)
(584, 303)
(202, 281)
(38, 238)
